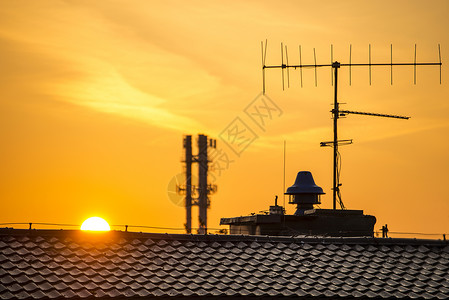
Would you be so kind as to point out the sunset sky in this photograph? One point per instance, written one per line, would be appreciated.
(95, 97)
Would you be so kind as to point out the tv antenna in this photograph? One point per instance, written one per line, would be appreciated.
(336, 111)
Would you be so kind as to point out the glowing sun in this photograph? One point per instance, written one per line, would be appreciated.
(95, 224)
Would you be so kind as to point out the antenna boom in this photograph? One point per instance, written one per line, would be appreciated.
(283, 66)
(344, 112)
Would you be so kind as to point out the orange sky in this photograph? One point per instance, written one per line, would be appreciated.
(95, 97)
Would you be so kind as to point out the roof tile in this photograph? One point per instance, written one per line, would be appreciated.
(195, 265)
(14, 287)
(38, 294)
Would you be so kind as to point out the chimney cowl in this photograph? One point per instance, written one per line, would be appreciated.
(304, 192)
(304, 184)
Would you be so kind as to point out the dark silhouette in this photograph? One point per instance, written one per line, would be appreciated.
(385, 231)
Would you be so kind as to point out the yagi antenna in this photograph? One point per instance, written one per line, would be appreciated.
(332, 59)
(414, 68)
(300, 64)
(282, 65)
(439, 56)
(369, 65)
(350, 61)
(314, 59)
(264, 57)
(336, 111)
(343, 113)
(288, 74)
(391, 64)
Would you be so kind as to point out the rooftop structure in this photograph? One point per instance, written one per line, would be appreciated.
(307, 220)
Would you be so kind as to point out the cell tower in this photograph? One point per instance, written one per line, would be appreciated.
(202, 190)
(336, 111)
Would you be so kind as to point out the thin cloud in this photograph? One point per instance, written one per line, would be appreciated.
(110, 93)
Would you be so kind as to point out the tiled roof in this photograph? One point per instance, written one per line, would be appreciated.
(73, 264)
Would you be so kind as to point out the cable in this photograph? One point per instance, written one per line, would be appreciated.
(415, 233)
(77, 225)
(338, 180)
(37, 223)
(150, 227)
(242, 231)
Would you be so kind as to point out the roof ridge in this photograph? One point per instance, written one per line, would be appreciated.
(113, 234)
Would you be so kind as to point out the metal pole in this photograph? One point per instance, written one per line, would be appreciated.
(202, 174)
(188, 147)
(335, 113)
(283, 182)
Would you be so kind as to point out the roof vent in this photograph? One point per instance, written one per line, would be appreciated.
(304, 192)
(276, 209)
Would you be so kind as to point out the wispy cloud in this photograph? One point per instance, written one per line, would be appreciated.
(109, 92)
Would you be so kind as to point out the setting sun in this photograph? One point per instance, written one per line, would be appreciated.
(95, 224)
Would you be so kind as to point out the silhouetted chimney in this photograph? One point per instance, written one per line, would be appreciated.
(304, 192)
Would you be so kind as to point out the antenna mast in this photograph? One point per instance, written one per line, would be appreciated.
(336, 112)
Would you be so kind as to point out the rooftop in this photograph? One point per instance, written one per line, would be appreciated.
(40, 264)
